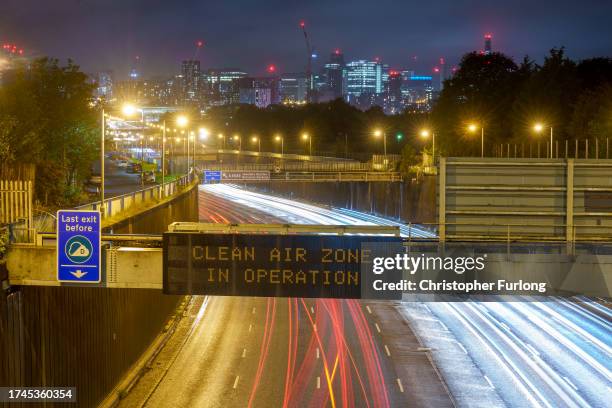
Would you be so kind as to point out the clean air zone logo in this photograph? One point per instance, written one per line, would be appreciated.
(78, 249)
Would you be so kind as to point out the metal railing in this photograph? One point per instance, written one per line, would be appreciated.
(337, 176)
(293, 166)
(114, 205)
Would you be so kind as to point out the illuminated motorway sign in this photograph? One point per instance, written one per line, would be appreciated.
(318, 266)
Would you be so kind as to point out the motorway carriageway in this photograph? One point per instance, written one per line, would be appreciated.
(288, 352)
(303, 352)
(553, 353)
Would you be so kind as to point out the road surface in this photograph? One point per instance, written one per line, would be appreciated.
(288, 352)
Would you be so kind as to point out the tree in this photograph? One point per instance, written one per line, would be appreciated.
(409, 159)
(47, 119)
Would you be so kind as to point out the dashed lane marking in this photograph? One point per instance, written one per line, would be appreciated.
(369, 310)
(318, 382)
(236, 381)
(399, 384)
(387, 351)
(243, 353)
(377, 327)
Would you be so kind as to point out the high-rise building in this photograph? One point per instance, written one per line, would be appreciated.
(222, 85)
(487, 44)
(104, 85)
(333, 74)
(261, 92)
(293, 88)
(190, 71)
(362, 82)
(393, 101)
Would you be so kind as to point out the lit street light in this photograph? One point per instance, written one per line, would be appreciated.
(182, 121)
(379, 133)
(472, 128)
(238, 138)
(538, 128)
(222, 136)
(306, 136)
(425, 133)
(257, 140)
(279, 138)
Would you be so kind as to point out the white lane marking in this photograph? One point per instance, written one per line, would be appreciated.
(567, 380)
(250, 327)
(318, 382)
(369, 310)
(377, 327)
(317, 352)
(236, 381)
(489, 381)
(243, 353)
(399, 383)
(443, 326)
(387, 351)
(312, 309)
(462, 348)
(253, 309)
(314, 327)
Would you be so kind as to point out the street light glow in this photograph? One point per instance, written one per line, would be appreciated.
(277, 138)
(254, 139)
(425, 133)
(538, 127)
(472, 127)
(128, 109)
(378, 133)
(204, 133)
(182, 121)
(305, 136)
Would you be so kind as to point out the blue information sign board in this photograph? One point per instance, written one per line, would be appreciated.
(78, 246)
(212, 175)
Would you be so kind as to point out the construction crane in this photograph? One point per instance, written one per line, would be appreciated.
(309, 64)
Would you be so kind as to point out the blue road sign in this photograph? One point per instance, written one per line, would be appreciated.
(212, 175)
(78, 246)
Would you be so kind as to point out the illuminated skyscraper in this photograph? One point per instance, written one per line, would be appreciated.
(190, 71)
(487, 44)
(333, 73)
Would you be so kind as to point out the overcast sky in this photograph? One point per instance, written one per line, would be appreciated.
(108, 34)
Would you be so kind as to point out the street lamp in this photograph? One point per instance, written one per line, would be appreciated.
(182, 121)
(425, 133)
(538, 128)
(257, 140)
(379, 133)
(222, 136)
(279, 138)
(238, 138)
(472, 128)
(306, 136)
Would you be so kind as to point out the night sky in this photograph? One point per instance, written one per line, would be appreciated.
(108, 34)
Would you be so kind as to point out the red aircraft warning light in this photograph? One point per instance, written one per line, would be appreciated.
(302, 24)
(200, 43)
(271, 68)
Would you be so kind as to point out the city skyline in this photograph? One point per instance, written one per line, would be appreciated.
(253, 36)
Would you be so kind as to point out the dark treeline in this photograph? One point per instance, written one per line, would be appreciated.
(335, 127)
(507, 99)
(492, 91)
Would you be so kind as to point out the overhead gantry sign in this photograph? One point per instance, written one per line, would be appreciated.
(269, 260)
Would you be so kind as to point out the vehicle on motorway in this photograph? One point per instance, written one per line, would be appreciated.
(122, 163)
(95, 179)
(134, 168)
(148, 176)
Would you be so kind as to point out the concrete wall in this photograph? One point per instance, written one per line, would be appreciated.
(85, 337)
(411, 201)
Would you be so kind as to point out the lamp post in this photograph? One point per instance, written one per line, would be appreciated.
(257, 140)
(164, 159)
(238, 138)
(306, 136)
(222, 136)
(102, 164)
(380, 133)
(472, 128)
(182, 121)
(538, 128)
(279, 138)
(425, 133)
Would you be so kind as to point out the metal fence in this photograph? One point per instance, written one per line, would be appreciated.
(292, 166)
(15, 201)
(115, 205)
